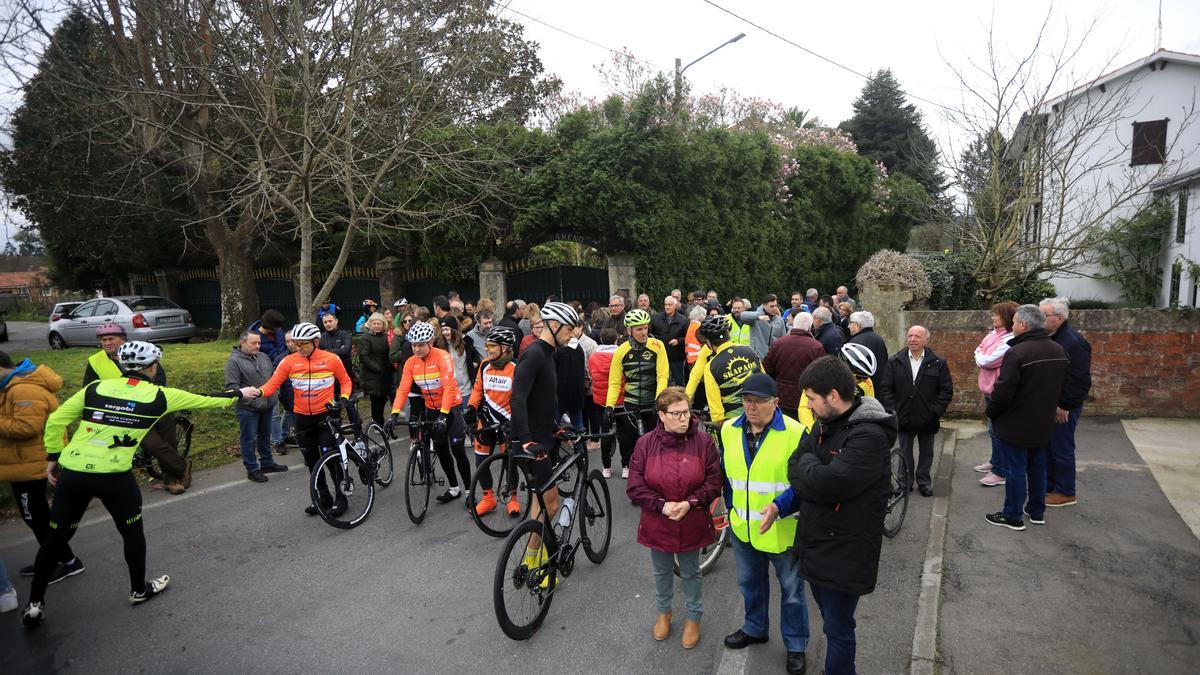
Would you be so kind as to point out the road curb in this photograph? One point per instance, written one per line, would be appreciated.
(925, 635)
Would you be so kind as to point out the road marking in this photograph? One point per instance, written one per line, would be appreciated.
(733, 661)
(924, 647)
(103, 517)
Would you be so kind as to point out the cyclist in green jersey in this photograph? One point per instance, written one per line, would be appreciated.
(640, 369)
(114, 415)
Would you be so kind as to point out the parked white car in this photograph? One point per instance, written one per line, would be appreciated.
(144, 317)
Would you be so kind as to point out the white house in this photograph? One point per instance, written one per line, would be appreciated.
(1101, 151)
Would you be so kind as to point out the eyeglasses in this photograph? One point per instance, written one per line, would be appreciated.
(676, 414)
(616, 304)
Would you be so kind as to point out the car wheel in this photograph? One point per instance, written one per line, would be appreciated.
(57, 341)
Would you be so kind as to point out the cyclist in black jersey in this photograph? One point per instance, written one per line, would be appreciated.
(726, 369)
(535, 396)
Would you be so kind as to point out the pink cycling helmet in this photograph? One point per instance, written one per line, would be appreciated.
(110, 329)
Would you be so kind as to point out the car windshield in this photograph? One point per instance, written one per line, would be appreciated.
(142, 304)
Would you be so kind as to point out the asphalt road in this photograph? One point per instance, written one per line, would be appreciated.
(257, 584)
(25, 336)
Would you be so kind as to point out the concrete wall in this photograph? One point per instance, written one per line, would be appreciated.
(1145, 362)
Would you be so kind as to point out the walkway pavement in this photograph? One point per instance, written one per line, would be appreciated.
(1109, 585)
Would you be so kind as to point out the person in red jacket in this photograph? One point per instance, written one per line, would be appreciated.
(598, 366)
(788, 357)
(674, 474)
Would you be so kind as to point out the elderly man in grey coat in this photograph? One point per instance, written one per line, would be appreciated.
(249, 367)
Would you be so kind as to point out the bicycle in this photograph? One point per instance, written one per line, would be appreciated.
(347, 467)
(184, 426)
(508, 480)
(532, 588)
(421, 473)
(897, 502)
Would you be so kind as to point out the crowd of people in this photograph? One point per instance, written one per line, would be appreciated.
(804, 404)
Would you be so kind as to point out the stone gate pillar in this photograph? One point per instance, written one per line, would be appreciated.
(886, 303)
(492, 283)
(622, 274)
(391, 284)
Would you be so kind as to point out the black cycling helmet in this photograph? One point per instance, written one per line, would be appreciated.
(503, 336)
(715, 327)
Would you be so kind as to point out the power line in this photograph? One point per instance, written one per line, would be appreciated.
(826, 59)
(593, 43)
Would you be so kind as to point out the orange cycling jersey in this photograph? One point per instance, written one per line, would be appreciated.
(494, 385)
(312, 377)
(434, 376)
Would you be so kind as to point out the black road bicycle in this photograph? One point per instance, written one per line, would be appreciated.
(897, 499)
(184, 426)
(349, 469)
(509, 485)
(539, 551)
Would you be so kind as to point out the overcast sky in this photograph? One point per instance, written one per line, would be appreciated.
(914, 39)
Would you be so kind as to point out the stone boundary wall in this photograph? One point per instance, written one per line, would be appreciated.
(1145, 362)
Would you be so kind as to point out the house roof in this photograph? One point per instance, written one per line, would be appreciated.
(22, 279)
(1178, 180)
(1154, 58)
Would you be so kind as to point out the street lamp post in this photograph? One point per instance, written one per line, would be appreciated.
(679, 71)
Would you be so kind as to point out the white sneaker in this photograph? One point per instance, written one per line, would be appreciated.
(9, 601)
(607, 473)
(153, 588)
(34, 614)
(625, 473)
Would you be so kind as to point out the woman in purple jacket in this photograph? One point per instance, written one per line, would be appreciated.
(674, 475)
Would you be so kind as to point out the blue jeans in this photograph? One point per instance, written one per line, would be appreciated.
(283, 424)
(1024, 464)
(255, 428)
(576, 416)
(5, 584)
(1060, 455)
(837, 619)
(997, 460)
(689, 576)
(753, 571)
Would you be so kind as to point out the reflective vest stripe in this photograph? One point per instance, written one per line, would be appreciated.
(762, 487)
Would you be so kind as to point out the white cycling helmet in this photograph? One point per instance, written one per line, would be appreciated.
(421, 332)
(860, 359)
(560, 312)
(137, 355)
(304, 331)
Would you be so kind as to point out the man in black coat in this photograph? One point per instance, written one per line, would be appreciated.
(862, 331)
(1060, 456)
(826, 331)
(337, 341)
(840, 474)
(514, 311)
(1022, 409)
(916, 385)
(671, 326)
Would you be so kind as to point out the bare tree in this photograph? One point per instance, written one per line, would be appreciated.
(318, 120)
(1047, 176)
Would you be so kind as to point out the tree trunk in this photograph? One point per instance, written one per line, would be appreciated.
(235, 273)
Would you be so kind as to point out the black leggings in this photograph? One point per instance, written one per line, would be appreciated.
(121, 497)
(314, 439)
(627, 432)
(377, 405)
(35, 510)
(452, 443)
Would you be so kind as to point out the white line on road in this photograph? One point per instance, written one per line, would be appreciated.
(104, 517)
(733, 661)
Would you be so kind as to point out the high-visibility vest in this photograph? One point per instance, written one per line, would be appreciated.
(739, 334)
(756, 486)
(104, 367)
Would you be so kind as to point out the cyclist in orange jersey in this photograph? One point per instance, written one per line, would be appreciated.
(491, 403)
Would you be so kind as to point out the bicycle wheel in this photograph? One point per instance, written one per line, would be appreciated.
(352, 485)
(380, 453)
(183, 434)
(595, 526)
(897, 499)
(508, 480)
(417, 484)
(518, 595)
(709, 554)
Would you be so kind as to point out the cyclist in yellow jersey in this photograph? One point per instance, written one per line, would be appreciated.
(640, 370)
(862, 363)
(725, 367)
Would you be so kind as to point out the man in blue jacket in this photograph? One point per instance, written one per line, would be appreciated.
(1060, 453)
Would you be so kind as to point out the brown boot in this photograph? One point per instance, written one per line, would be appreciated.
(175, 488)
(662, 626)
(691, 633)
(187, 474)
